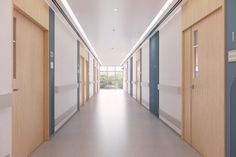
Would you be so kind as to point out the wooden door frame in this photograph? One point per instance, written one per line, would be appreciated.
(82, 80)
(87, 79)
(46, 68)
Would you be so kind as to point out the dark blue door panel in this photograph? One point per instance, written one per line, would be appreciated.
(51, 71)
(154, 74)
(231, 78)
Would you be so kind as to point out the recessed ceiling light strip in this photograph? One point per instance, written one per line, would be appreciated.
(153, 27)
(81, 34)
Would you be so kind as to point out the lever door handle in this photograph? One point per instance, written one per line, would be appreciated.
(192, 87)
(15, 90)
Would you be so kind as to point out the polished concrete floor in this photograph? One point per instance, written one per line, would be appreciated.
(112, 124)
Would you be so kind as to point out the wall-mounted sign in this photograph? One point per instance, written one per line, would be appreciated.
(232, 56)
(51, 65)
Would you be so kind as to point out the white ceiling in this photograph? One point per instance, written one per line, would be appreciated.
(113, 34)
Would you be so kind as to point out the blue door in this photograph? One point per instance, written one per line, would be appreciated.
(231, 78)
(154, 74)
(51, 72)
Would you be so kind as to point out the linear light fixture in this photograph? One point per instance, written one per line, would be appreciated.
(68, 8)
(149, 28)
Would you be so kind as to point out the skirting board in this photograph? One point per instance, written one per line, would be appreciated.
(60, 121)
(171, 121)
(5, 101)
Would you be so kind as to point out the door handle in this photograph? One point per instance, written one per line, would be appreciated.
(15, 90)
(192, 87)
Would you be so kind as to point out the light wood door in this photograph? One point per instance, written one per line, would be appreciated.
(81, 81)
(86, 80)
(208, 85)
(94, 77)
(187, 83)
(138, 82)
(28, 85)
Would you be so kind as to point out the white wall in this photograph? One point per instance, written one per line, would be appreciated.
(65, 69)
(170, 71)
(145, 74)
(5, 75)
(91, 76)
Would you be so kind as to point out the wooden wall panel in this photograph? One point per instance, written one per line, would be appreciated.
(195, 10)
(37, 10)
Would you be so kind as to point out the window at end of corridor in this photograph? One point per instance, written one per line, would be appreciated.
(111, 77)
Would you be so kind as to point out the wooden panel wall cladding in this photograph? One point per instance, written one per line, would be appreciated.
(194, 10)
(204, 76)
(30, 113)
(37, 10)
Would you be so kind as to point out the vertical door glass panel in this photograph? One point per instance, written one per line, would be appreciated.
(196, 55)
(14, 48)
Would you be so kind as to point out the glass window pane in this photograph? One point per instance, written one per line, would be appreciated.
(111, 77)
(119, 68)
(111, 68)
(196, 59)
(103, 80)
(119, 80)
(103, 68)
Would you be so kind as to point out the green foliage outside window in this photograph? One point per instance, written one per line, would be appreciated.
(111, 80)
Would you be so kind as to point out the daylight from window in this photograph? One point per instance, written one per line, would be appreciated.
(111, 77)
